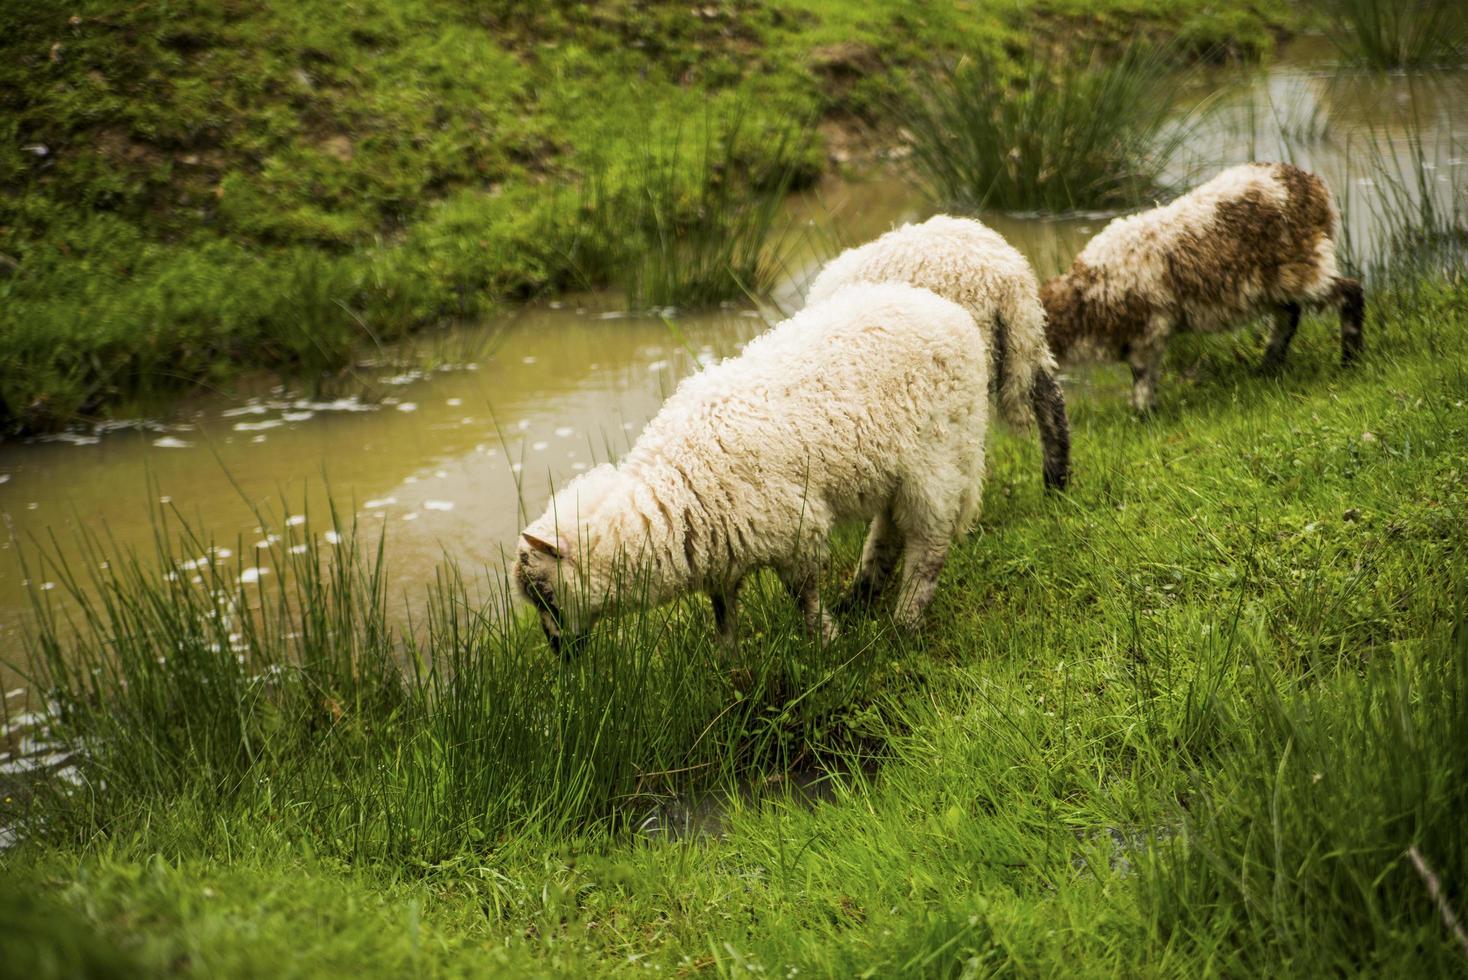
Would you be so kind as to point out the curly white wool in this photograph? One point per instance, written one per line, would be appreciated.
(962, 260)
(871, 405)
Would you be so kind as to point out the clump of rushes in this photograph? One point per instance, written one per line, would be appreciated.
(1390, 34)
(1052, 134)
(297, 692)
(707, 211)
(1421, 223)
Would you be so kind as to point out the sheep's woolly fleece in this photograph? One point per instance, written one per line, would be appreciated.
(876, 398)
(1252, 238)
(964, 261)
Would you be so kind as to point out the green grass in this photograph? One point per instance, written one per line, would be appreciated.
(190, 189)
(1391, 35)
(710, 236)
(1060, 133)
(1185, 720)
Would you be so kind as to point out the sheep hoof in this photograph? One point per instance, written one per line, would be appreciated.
(1271, 367)
(856, 601)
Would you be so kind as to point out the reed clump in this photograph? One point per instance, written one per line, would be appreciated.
(1053, 133)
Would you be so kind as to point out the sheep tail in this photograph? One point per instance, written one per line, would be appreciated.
(1020, 353)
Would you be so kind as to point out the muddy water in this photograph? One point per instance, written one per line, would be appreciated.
(442, 460)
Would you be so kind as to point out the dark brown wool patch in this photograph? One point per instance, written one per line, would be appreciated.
(1077, 307)
(1255, 241)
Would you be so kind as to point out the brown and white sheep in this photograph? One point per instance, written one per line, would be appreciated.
(1257, 238)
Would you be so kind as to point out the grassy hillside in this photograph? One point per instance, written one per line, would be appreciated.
(1185, 720)
(189, 188)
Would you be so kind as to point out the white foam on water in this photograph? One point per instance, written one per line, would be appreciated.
(528, 359)
(258, 439)
(441, 474)
(538, 446)
(408, 407)
(300, 416)
(411, 516)
(295, 520)
(169, 442)
(230, 413)
(252, 575)
(658, 366)
(455, 402)
(256, 426)
(331, 537)
(15, 693)
(4, 477)
(565, 432)
(380, 503)
(298, 549)
(31, 763)
(74, 438)
(438, 505)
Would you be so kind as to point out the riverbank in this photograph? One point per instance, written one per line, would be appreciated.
(1185, 720)
(194, 191)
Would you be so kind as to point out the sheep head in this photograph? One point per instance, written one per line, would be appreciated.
(568, 580)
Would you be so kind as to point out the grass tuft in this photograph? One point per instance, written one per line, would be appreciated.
(1397, 34)
(710, 215)
(1056, 133)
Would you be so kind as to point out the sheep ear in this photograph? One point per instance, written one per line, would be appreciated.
(541, 545)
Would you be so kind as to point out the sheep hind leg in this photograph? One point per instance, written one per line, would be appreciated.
(1049, 405)
(879, 558)
(1352, 302)
(922, 562)
(802, 583)
(1286, 322)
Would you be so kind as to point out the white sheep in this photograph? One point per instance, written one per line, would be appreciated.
(965, 261)
(1258, 238)
(871, 405)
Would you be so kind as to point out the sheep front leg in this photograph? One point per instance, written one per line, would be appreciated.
(1286, 322)
(922, 562)
(1353, 317)
(802, 583)
(726, 616)
(1146, 365)
(1049, 405)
